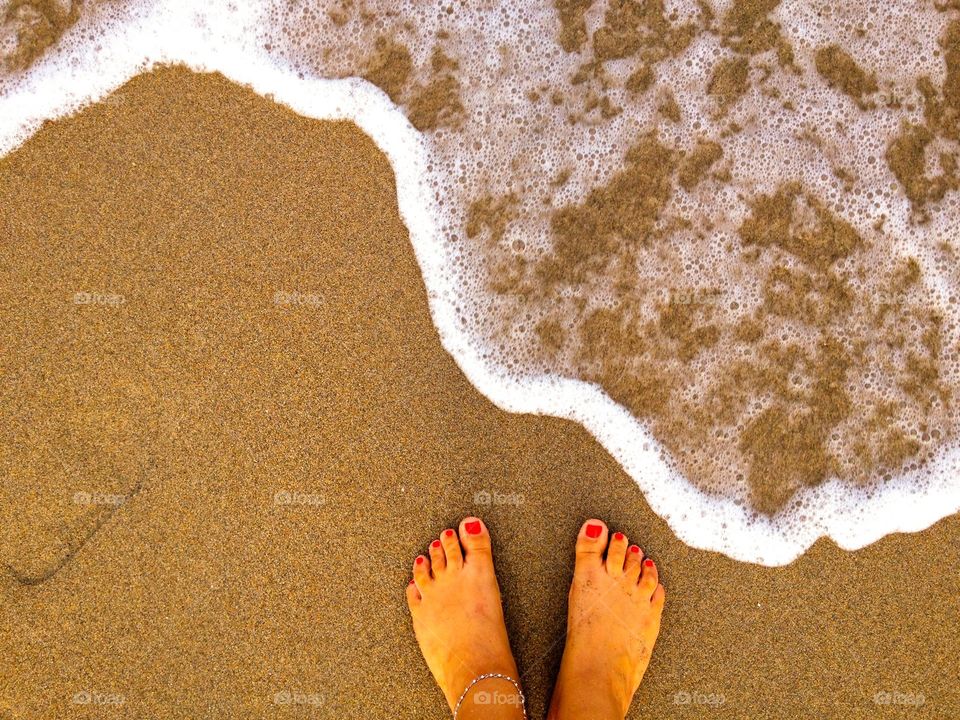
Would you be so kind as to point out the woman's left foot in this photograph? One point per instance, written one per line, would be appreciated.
(613, 619)
(458, 618)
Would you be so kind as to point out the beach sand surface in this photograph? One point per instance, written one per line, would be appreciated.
(219, 463)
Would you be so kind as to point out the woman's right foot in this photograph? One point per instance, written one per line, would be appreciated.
(613, 620)
(458, 620)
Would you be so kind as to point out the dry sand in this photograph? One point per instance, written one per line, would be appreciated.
(202, 400)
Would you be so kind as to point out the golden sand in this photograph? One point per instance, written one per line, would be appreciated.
(220, 462)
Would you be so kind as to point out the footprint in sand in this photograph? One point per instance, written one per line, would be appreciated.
(77, 443)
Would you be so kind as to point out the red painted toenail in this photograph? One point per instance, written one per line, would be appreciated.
(593, 531)
(618, 536)
(634, 549)
(648, 562)
(435, 544)
(420, 560)
(449, 533)
(410, 583)
(473, 527)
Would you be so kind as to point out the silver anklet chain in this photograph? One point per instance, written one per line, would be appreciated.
(489, 676)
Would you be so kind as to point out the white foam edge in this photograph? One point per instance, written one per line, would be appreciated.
(62, 83)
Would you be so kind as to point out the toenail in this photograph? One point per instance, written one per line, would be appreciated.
(420, 560)
(410, 583)
(449, 533)
(618, 536)
(593, 531)
(648, 562)
(473, 527)
(435, 544)
(634, 549)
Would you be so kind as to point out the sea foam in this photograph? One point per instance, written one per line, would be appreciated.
(520, 129)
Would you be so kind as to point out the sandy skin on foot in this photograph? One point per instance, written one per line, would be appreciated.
(615, 604)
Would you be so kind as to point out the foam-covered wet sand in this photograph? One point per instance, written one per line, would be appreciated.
(219, 464)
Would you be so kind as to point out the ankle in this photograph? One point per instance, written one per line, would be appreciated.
(460, 682)
(492, 698)
(592, 707)
(589, 693)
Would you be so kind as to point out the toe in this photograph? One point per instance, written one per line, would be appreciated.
(591, 543)
(438, 559)
(616, 554)
(648, 578)
(451, 548)
(633, 564)
(659, 597)
(421, 573)
(413, 595)
(475, 539)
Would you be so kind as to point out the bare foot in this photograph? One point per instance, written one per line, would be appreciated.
(458, 620)
(612, 623)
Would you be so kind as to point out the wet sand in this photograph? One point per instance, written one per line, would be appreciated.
(219, 465)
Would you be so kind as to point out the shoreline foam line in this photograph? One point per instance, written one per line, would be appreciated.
(66, 80)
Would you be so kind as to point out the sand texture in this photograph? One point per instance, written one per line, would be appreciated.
(219, 463)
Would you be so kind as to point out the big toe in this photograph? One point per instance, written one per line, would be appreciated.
(475, 539)
(591, 542)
